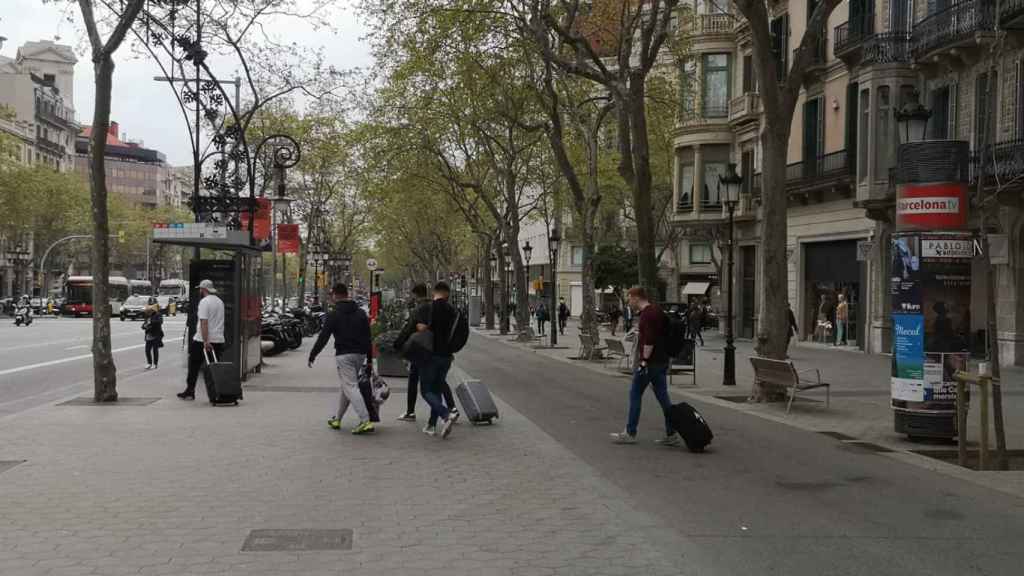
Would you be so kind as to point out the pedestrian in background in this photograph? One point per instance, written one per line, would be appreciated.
(350, 327)
(842, 318)
(209, 336)
(696, 323)
(614, 314)
(563, 316)
(652, 364)
(153, 329)
(420, 299)
(542, 317)
(792, 329)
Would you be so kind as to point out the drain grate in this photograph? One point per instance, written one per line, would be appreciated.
(836, 435)
(300, 540)
(6, 465)
(122, 401)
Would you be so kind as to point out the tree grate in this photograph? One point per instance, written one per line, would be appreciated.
(300, 540)
(121, 401)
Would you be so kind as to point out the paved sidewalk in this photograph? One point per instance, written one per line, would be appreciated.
(860, 403)
(176, 487)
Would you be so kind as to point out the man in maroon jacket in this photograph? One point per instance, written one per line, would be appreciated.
(651, 367)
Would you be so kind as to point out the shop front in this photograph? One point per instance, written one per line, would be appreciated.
(833, 292)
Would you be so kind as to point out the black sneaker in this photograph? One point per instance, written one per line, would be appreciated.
(186, 396)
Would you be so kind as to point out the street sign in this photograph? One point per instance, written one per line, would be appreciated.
(371, 264)
(864, 248)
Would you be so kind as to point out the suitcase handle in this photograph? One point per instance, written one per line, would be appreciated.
(207, 357)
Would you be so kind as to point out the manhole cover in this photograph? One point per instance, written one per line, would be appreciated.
(297, 540)
(836, 435)
(6, 465)
(122, 401)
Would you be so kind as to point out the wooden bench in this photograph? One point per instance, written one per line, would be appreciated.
(614, 348)
(781, 375)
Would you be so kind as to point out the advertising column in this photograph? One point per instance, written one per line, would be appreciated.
(931, 296)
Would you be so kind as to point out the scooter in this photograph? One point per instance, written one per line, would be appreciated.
(23, 315)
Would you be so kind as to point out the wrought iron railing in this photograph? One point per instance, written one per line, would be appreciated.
(887, 48)
(1004, 162)
(715, 23)
(957, 23)
(1010, 10)
(51, 146)
(831, 164)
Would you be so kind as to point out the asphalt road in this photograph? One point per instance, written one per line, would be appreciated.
(52, 358)
(766, 498)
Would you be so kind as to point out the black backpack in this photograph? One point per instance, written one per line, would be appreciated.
(460, 332)
(675, 333)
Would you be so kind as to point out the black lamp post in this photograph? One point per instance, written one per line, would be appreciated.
(491, 275)
(554, 238)
(527, 254)
(912, 120)
(732, 182)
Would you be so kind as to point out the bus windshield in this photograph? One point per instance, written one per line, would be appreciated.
(171, 290)
(79, 293)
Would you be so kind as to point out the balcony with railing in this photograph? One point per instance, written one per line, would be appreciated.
(965, 23)
(705, 115)
(1011, 13)
(849, 37)
(50, 146)
(721, 25)
(1004, 164)
(887, 48)
(745, 108)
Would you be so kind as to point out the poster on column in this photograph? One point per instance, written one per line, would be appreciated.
(908, 374)
(946, 288)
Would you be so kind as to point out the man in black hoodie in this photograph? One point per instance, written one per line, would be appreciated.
(420, 308)
(352, 346)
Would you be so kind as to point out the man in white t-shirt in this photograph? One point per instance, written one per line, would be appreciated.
(209, 338)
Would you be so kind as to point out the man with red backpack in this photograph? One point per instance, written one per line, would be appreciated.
(652, 363)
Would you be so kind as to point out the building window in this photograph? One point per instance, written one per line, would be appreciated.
(700, 253)
(780, 45)
(885, 156)
(716, 86)
(749, 76)
(576, 255)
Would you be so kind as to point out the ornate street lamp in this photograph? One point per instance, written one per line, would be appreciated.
(554, 239)
(527, 254)
(731, 182)
(912, 120)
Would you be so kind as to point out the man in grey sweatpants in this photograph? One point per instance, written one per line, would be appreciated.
(350, 328)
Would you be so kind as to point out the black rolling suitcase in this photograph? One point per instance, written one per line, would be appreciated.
(691, 426)
(223, 385)
(476, 401)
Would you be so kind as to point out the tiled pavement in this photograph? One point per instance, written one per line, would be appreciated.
(175, 488)
(860, 405)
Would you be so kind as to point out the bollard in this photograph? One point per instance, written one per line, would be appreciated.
(961, 422)
(984, 382)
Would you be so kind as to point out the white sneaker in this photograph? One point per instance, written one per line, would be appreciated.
(430, 431)
(673, 440)
(149, 366)
(447, 425)
(623, 438)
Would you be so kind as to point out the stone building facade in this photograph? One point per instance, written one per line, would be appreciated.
(877, 56)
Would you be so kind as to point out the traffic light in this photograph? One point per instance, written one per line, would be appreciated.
(120, 236)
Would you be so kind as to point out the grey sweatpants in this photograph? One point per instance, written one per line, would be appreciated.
(349, 366)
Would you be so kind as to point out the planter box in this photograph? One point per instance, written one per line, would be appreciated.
(391, 363)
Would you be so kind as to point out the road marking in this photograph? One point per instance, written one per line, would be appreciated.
(78, 347)
(70, 359)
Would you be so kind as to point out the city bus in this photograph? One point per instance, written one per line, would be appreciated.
(78, 295)
(141, 287)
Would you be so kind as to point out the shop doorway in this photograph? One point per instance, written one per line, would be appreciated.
(831, 271)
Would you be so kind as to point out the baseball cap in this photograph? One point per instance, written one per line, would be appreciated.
(208, 286)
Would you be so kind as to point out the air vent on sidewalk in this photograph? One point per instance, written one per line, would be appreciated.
(6, 465)
(122, 401)
(300, 540)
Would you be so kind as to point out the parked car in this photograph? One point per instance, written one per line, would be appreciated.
(134, 307)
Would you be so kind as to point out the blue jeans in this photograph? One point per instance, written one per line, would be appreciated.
(433, 374)
(657, 377)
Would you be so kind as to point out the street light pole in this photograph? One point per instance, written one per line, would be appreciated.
(554, 239)
(731, 181)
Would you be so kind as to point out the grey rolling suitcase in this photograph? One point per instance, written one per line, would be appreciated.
(476, 401)
(223, 385)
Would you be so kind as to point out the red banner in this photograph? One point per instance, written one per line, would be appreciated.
(932, 206)
(261, 231)
(288, 239)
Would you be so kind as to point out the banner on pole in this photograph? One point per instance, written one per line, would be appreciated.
(288, 239)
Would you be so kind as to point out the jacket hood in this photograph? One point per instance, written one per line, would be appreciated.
(346, 306)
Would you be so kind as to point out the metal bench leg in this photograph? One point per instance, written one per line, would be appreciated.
(792, 396)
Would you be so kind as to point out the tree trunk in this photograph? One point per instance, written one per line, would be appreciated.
(771, 337)
(488, 292)
(104, 371)
(641, 185)
(503, 294)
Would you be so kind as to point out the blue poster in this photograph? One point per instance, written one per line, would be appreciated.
(908, 346)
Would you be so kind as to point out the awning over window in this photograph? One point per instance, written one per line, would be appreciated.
(696, 288)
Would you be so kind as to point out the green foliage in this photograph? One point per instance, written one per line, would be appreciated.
(615, 267)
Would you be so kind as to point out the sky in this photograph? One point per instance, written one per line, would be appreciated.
(146, 110)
